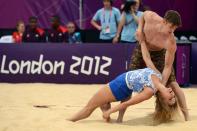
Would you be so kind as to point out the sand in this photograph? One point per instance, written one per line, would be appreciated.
(23, 108)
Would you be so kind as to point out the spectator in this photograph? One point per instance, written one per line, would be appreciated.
(57, 33)
(122, 5)
(109, 18)
(18, 35)
(73, 36)
(144, 7)
(33, 33)
(129, 22)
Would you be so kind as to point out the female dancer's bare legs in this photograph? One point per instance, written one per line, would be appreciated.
(102, 97)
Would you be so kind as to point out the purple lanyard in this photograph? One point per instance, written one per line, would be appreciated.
(109, 16)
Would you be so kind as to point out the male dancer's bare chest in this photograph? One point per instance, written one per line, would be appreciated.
(155, 39)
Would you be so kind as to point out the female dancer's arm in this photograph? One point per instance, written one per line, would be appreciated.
(146, 94)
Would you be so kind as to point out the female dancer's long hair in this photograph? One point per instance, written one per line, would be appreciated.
(163, 112)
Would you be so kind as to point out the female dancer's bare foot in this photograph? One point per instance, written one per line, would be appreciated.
(106, 116)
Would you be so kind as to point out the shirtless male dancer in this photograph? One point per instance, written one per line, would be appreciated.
(158, 34)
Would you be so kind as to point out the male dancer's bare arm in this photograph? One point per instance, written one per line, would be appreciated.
(139, 32)
(140, 36)
(169, 60)
(147, 58)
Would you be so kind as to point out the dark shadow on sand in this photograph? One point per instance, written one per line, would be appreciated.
(142, 121)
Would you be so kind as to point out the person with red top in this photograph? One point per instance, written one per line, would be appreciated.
(34, 33)
(57, 33)
(18, 35)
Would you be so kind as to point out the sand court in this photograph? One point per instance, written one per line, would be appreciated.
(45, 107)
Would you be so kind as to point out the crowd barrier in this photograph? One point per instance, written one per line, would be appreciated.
(194, 63)
(75, 64)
